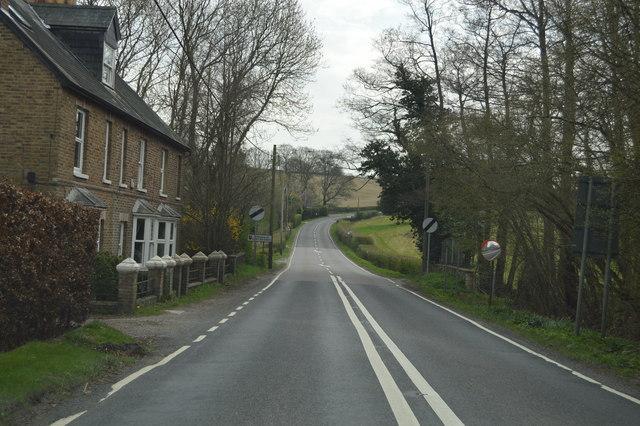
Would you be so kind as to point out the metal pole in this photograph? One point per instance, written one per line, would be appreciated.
(445, 263)
(583, 259)
(428, 250)
(493, 283)
(607, 268)
(272, 209)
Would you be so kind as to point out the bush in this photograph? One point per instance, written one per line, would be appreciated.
(48, 249)
(364, 214)
(104, 285)
(313, 212)
(297, 220)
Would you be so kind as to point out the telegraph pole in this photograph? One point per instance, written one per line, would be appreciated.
(273, 203)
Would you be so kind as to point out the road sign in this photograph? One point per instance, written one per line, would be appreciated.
(490, 250)
(429, 225)
(259, 238)
(256, 213)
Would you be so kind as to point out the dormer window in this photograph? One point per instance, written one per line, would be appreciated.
(109, 65)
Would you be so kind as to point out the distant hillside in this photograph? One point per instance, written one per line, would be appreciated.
(366, 196)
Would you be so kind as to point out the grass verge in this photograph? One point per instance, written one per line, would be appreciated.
(611, 353)
(50, 369)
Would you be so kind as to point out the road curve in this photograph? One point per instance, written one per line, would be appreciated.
(328, 343)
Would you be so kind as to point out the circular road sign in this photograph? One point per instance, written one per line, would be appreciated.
(490, 250)
(429, 225)
(256, 213)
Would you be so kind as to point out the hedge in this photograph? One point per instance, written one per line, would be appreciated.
(365, 248)
(48, 250)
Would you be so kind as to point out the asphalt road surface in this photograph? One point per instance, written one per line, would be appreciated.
(327, 343)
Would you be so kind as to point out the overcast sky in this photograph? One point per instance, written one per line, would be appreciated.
(347, 28)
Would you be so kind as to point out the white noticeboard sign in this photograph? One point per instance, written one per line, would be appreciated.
(260, 238)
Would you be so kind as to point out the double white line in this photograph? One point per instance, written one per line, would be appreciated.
(401, 410)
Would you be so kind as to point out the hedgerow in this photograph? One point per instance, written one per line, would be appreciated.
(48, 250)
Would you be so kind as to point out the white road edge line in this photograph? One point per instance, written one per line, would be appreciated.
(401, 409)
(200, 338)
(122, 383)
(67, 420)
(442, 410)
(524, 348)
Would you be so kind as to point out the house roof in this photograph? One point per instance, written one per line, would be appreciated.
(86, 198)
(72, 16)
(72, 73)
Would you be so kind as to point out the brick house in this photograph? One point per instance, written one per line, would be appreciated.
(73, 129)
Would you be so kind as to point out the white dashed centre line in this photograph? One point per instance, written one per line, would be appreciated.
(214, 328)
(232, 314)
(200, 338)
(223, 320)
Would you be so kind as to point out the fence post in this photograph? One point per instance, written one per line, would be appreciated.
(156, 267)
(168, 275)
(221, 270)
(127, 285)
(184, 280)
(177, 275)
(214, 258)
(200, 259)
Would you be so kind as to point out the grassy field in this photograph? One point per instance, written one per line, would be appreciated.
(365, 195)
(394, 238)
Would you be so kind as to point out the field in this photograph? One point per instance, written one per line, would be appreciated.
(389, 236)
(366, 194)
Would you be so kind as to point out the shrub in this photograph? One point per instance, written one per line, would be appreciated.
(48, 249)
(104, 285)
(297, 220)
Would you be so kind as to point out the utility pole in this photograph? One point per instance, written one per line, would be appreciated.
(273, 203)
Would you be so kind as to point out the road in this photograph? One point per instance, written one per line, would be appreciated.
(328, 343)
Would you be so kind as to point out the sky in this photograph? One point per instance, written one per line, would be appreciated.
(347, 29)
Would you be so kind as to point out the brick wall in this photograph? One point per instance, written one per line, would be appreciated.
(37, 134)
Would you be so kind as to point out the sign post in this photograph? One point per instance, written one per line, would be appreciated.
(256, 213)
(429, 225)
(491, 250)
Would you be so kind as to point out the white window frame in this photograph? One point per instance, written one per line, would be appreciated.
(166, 245)
(163, 165)
(123, 158)
(147, 243)
(107, 152)
(80, 142)
(121, 232)
(141, 159)
(108, 65)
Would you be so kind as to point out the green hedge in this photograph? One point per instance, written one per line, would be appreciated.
(104, 285)
(365, 248)
(48, 250)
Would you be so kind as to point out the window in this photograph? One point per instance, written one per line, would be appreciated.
(178, 180)
(121, 233)
(81, 127)
(166, 238)
(143, 242)
(123, 158)
(163, 163)
(140, 185)
(107, 152)
(100, 234)
(108, 65)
